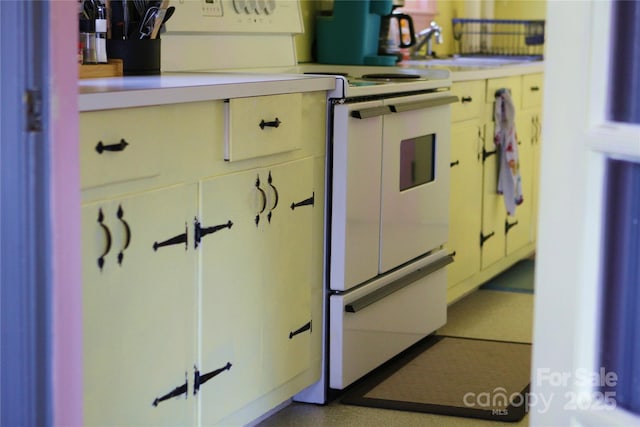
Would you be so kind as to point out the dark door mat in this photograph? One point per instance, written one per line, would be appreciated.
(518, 278)
(462, 377)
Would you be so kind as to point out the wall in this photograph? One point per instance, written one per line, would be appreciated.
(423, 11)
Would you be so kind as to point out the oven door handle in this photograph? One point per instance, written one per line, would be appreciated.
(427, 103)
(366, 113)
(392, 287)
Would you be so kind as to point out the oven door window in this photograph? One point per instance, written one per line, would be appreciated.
(417, 161)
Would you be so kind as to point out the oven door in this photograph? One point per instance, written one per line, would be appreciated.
(415, 177)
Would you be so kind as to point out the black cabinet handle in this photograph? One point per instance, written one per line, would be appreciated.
(107, 235)
(276, 194)
(173, 393)
(263, 196)
(486, 153)
(452, 254)
(200, 232)
(303, 328)
(273, 124)
(127, 230)
(100, 148)
(466, 99)
(456, 163)
(484, 238)
(180, 238)
(198, 379)
(306, 202)
(509, 225)
(534, 88)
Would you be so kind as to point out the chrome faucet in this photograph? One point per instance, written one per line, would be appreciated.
(425, 37)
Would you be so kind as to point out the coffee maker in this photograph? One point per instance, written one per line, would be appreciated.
(350, 33)
(396, 32)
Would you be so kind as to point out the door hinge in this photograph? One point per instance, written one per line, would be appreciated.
(33, 100)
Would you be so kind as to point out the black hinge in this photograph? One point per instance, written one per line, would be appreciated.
(484, 238)
(33, 99)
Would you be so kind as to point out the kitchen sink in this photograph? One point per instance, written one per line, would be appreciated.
(468, 61)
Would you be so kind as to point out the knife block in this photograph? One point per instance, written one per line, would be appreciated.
(140, 57)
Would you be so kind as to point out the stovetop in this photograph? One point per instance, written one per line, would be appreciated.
(357, 81)
(360, 81)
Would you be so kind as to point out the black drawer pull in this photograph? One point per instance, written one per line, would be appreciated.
(484, 238)
(466, 99)
(180, 238)
(200, 232)
(534, 88)
(509, 225)
(127, 230)
(108, 237)
(305, 327)
(198, 379)
(100, 148)
(273, 124)
(456, 163)
(173, 393)
(306, 202)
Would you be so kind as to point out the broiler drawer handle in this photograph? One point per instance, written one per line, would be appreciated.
(405, 281)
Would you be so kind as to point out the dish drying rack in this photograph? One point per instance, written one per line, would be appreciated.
(499, 37)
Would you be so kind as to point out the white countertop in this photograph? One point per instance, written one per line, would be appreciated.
(458, 75)
(173, 88)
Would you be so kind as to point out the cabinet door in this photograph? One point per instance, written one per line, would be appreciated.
(287, 271)
(492, 238)
(465, 222)
(535, 155)
(232, 299)
(518, 226)
(139, 309)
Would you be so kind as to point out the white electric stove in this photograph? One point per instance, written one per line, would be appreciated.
(387, 179)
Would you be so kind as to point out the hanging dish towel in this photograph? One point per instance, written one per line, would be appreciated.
(505, 139)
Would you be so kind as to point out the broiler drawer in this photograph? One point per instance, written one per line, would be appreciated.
(377, 321)
(261, 126)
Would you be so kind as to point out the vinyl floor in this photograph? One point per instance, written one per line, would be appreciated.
(488, 314)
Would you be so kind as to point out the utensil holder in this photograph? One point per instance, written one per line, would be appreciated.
(140, 57)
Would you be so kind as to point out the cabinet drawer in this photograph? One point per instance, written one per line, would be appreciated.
(261, 126)
(471, 97)
(511, 83)
(532, 88)
(120, 145)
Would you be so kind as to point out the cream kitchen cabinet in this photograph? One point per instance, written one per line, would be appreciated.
(256, 282)
(465, 205)
(482, 237)
(202, 278)
(140, 308)
(533, 89)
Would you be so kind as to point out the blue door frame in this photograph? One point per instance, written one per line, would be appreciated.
(25, 268)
